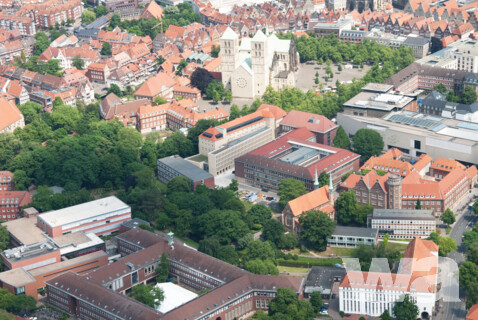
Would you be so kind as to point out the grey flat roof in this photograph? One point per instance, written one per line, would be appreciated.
(25, 230)
(323, 277)
(377, 87)
(355, 232)
(403, 214)
(185, 168)
(83, 211)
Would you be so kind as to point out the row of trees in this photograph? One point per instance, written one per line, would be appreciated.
(180, 15)
(467, 97)
(99, 154)
(469, 268)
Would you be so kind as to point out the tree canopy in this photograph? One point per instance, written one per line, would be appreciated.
(341, 139)
(150, 296)
(316, 226)
(289, 189)
(448, 217)
(367, 143)
(406, 309)
(348, 211)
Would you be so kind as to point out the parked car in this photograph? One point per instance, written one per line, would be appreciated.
(333, 295)
(325, 305)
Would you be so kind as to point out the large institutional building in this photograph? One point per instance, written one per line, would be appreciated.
(249, 67)
(224, 143)
(371, 293)
(234, 293)
(294, 155)
(401, 185)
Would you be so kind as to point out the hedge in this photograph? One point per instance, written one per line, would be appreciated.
(304, 262)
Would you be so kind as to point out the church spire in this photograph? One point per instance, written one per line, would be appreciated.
(331, 191)
(316, 181)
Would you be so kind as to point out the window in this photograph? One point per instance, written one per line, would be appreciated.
(20, 290)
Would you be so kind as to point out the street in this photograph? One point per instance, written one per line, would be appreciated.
(466, 220)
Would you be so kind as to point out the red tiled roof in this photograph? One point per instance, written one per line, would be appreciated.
(309, 201)
(313, 122)
(10, 113)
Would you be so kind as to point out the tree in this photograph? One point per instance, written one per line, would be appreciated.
(261, 267)
(88, 16)
(159, 100)
(451, 97)
(324, 179)
(78, 63)
(41, 43)
(468, 281)
(339, 68)
(181, 65)
(257, 249)
(316, 300)
(346, 207)
(468, 96)
(418, 206)
(163, 271)
(316, 227)
(289, 189)
(115, 20)
(441, 88)
(31, 111)
(200, 79)
(106, 49)
(273, 231)
(448, 217)
(149, 296)
(260, 214)
(228, 254)
(474, 208)
(114, 88)
(286, 306)
(4, 238)
(53, 67)
(22, 304)
(288, 241)
(215, 90)
(179, 184)
(385, 315)
(215, 51)
(367, 143)
(446, 245)
(386, 237)
(228, 96)
(160, 60)
(234, 112)
(4, 315)
(406, 309)
(101, 11)
(234, 185)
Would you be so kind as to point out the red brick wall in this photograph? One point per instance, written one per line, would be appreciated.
(28, 262)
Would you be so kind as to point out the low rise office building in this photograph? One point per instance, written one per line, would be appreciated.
(175, 166)
(403, 224)
(352, 237)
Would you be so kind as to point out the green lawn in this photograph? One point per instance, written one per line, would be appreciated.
(398, 246)
(293, 269)
(189, 242)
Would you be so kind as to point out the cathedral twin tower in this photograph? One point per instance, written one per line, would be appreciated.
(249, 65)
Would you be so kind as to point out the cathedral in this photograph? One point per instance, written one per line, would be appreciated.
(250, 65)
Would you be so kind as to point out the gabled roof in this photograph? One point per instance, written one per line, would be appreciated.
(309, 201)
(9, 113)
(155, 85)
(313, 122)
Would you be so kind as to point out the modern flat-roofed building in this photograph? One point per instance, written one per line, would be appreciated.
(322, 279)
(323, 29)
(102, 216)
(379, 102)
(224, 143)
(294, 155)
(175, 166)
(415, 134)
(352, 237)
(31, 256)
(23, 281)
(403, 224)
